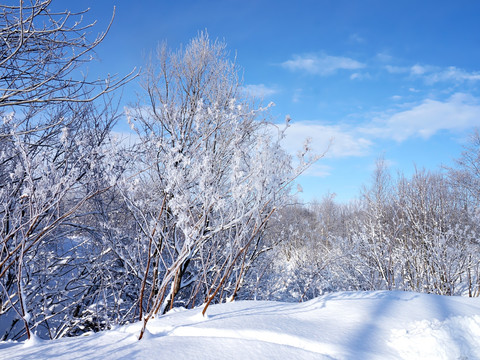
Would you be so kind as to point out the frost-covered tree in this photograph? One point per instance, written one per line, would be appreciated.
(291, 270)
(466, 175)
(436, 234)
(417, 233)
(212, 173)
(51, 142)
(41, 51)
(465, 178)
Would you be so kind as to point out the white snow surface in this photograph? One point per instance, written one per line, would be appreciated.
(345, 325)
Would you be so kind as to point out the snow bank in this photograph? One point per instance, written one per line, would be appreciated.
(458, 336)
(347, 325)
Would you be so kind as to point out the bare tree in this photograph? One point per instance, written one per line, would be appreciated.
(417, 233)
(215, 174)
(41, 51)
(51, 137)
(466, 175)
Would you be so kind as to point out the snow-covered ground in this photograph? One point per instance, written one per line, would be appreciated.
(346, 325)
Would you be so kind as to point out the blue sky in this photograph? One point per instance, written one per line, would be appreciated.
(381, 78)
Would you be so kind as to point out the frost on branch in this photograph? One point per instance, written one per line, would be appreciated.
(52, 155)
(213, 162)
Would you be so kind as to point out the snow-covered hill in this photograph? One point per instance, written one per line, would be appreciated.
(347, 325)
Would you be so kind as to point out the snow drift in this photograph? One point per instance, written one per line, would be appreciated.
(346, 325)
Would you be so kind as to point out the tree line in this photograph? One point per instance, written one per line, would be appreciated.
(417, 233)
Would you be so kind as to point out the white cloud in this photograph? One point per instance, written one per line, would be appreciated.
(360, 76)
(418, 70)
(259, 90)
(459, 112)
(321, 65)
(392, 69)
(384, 57)
(297, 95)
(357, 39)
(434, 74)
(344, 139)
(415, 70)
(453, 74)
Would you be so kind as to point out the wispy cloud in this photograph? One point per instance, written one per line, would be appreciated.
(414, 70)
(435, 74)
(459, 112)
(297, 95)
(453, 73)
(260, 90)
(360, 76)
(355, 38)
(419, 69)
(321, 65)
(384, 57)
(341, 141)
(392, 69)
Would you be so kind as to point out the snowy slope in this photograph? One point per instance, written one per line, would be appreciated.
(347, 325)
